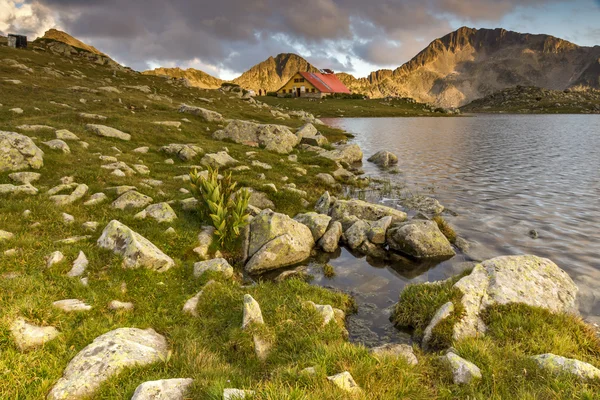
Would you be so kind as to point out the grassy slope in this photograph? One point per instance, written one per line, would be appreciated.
(331, 108)
(212, 349)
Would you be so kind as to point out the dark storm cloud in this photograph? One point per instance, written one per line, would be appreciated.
(236, 34)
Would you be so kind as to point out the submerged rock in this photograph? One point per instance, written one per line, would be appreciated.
(384, 158)
(420, 239)
(136, 250)
(18, 152)
(106, 357)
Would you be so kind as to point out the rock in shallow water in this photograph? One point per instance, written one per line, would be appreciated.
(105, 357)
(420, 239)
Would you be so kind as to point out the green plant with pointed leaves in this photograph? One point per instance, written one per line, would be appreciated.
(221, 203)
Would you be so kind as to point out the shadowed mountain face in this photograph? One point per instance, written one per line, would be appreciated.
(274, 72)
(471, 63)
(194, 77)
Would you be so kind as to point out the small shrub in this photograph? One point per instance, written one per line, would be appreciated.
(328, 271)
(219, 202)
(445, 228)
(272, 94)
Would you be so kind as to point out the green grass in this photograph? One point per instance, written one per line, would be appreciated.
(212, 349)
(445, 227)
(332, 108)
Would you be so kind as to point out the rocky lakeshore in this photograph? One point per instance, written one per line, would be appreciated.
(114, 282)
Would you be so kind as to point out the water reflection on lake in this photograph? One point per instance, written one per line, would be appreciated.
(504, 175)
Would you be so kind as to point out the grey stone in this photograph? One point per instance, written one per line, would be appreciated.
(562, 365)
(18, 152)
(357, 233)
(384, 158)
(106, 357)
(207, 115)
(528, 279)
(277, 241)
(57, 144)
(317, 223)
(323, 204)
(420, 239)
(79, 266)
(365, 211)
(136, 250)
(348, 153)
(442, 313)
(165, 389)
(329, 242)
(378, 230)
(394, 350)
(463, 371)
(106, 131)
(131, 199)
(160, 212)
(71, 305)
(216, 264)
(218, 160)
(252, 312)
(345, 382)
(28, 336)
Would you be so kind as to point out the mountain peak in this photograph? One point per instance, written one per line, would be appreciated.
(60, 36)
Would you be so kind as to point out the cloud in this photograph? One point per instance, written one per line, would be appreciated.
(232, 35)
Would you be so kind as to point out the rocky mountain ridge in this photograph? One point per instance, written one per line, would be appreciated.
(193, 77)
(450, 72)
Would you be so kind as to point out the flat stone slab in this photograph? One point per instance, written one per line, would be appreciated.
(28, 336)
(107, 356)
(165, 389)
(107, 131)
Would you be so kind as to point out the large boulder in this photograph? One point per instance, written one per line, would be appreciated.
(364, 210)
(276, 138)
(528, 279)
(348, 153)
(277, 241)
(106, 357)
(207, 115)
(420, 239)
(384, 158)
(317, 223)
(136, 250)
(107, 131)
(18, 152)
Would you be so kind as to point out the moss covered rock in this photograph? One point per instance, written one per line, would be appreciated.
(421, 239)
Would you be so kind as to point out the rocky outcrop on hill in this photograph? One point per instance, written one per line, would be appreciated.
(190, 77)
(274, 72)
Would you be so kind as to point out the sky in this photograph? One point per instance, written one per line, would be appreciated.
(226, 37)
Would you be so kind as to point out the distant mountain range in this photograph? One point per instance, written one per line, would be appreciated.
(451, 71)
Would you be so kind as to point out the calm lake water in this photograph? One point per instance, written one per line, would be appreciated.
(504, 175)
